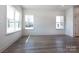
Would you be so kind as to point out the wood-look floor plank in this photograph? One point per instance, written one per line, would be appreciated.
(45, 44)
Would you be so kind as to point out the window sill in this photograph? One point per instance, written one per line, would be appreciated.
(59, 29)
(13, 32)
(29, 28)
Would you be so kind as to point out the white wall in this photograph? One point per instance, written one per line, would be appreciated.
(69, 22)
(44, 22)
(6, 40)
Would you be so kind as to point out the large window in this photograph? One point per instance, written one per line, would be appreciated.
(13, 19)
(29, 21)
(59, 22)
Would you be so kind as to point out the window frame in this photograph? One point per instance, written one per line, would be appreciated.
(14, 29)
(29, 22)
(60, 22)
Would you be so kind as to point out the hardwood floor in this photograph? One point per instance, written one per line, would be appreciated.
(45, 44)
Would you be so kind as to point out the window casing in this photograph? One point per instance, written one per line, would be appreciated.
(13, 20)
(59, 22)
(29, 21)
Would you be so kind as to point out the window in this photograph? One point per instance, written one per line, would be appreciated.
(29, 20)
(13, 20)
(59, 22)
(17, 21)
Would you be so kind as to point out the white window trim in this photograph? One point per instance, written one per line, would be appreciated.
(29, 28)
(19, 29)
(63, 25)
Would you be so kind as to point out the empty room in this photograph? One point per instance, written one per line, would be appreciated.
(39, 28)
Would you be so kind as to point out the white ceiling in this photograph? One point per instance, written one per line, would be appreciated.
(46, 7)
